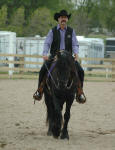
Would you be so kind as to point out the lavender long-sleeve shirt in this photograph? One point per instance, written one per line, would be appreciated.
(49, 39)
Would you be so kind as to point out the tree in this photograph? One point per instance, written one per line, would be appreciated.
(107, 15)
(86, 14)
(3, 17)
(40, 22)
(17, 21)
(80, 23)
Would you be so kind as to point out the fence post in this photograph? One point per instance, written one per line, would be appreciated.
(12, 50)
(21, 65)
(107, 70)
(113, 70)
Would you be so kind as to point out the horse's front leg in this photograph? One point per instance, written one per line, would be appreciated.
(49, 133)
(56, 128)
(64, 132)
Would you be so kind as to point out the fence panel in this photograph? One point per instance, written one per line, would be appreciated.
(97, 72)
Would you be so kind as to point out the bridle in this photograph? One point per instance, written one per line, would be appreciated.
(51, 76)
(57, 85)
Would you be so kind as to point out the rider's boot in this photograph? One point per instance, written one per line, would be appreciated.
(39, 93)
(80, 96)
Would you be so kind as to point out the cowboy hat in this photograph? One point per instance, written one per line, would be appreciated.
(61, 13)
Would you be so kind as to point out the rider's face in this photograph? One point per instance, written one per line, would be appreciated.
(63, 20)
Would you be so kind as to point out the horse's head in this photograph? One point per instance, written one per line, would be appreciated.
(63, 69)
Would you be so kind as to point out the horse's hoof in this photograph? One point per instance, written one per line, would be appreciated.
(49, 133)
(81, 101)
(64, 136)
(56, 137)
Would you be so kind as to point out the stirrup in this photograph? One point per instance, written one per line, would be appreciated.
(79, 98)
(37, 96)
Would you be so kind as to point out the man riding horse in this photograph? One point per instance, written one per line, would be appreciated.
(61, 37)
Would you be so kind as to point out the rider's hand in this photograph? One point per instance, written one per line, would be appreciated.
(45, 57)
(76, 57)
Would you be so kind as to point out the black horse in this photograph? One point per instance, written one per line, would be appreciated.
(60, 88)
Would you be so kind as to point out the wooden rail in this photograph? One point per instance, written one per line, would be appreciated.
(21, 55)
(20, 62)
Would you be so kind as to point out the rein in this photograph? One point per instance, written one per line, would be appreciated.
(57, 86)
(49, 72)
(51, 76)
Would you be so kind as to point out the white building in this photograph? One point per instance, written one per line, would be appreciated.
(8, 46)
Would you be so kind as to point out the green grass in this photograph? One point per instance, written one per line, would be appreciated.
(3, 72)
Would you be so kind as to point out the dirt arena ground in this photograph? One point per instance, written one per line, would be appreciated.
(22, 124)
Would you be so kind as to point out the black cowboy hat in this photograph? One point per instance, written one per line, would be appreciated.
(61, 13)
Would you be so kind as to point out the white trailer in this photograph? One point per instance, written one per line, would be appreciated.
(30, 46)
(91, 48)
(88, 47)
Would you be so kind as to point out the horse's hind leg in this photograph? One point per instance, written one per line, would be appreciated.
(64, 132)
